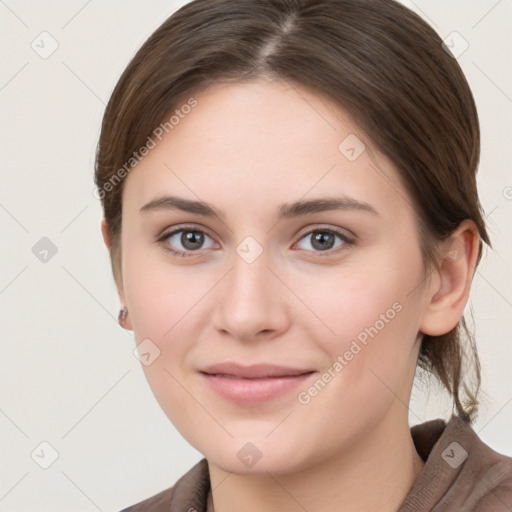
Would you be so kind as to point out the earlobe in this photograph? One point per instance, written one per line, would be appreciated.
(447, 295)
(124, 320)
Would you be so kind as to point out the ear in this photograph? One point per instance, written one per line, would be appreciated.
(448, 290)
(105, 230)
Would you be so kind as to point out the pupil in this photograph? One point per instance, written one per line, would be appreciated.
(324, 240)
(192, 239)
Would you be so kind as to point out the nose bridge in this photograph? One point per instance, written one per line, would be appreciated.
(249, 275)
(249, 293)
(248, 283)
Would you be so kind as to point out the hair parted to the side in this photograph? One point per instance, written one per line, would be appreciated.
(378, 60)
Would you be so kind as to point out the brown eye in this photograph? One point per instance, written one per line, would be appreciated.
(185, 240)
(324, 240)
(192, 240)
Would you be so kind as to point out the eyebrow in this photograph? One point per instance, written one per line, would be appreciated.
(285, 211)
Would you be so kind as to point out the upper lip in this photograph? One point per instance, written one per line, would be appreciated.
(254, 371)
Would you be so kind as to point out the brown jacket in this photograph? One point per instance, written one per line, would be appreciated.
(461, 473)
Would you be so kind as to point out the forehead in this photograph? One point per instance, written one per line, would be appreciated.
(248, 144)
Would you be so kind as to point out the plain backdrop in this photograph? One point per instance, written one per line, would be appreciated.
(68, 377)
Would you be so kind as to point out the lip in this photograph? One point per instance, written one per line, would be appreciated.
(253, 384)
(256, 371)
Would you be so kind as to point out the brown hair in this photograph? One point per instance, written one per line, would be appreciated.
(376, 59)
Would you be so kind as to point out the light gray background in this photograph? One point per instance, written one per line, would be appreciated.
(68, 374)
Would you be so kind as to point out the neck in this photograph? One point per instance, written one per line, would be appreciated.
(376, 474)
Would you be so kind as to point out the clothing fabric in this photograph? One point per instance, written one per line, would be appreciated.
(461, 473)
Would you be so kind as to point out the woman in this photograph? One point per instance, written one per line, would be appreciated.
(292, 216)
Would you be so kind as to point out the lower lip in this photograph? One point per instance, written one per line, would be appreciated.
(253, 391)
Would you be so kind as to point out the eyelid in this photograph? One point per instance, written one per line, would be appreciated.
(166, 233)
(349, 235)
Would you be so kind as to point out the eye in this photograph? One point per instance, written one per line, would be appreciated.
(191, 240)
(323, 240)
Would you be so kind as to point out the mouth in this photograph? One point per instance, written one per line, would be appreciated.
(258, 371)
(253, 384)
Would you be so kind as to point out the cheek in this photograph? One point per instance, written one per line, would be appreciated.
(167, 306)
(157, 293)
(348, 301)
(164, 308)
(368, 327)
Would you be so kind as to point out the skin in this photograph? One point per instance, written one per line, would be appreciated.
(247, 148)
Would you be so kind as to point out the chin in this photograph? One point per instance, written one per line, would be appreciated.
(256, 458)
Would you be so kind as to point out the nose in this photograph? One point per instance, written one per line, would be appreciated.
(252, 301)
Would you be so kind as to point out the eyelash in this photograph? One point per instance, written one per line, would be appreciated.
(186, 254)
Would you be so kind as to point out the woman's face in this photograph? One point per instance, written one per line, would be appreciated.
(275, 280)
